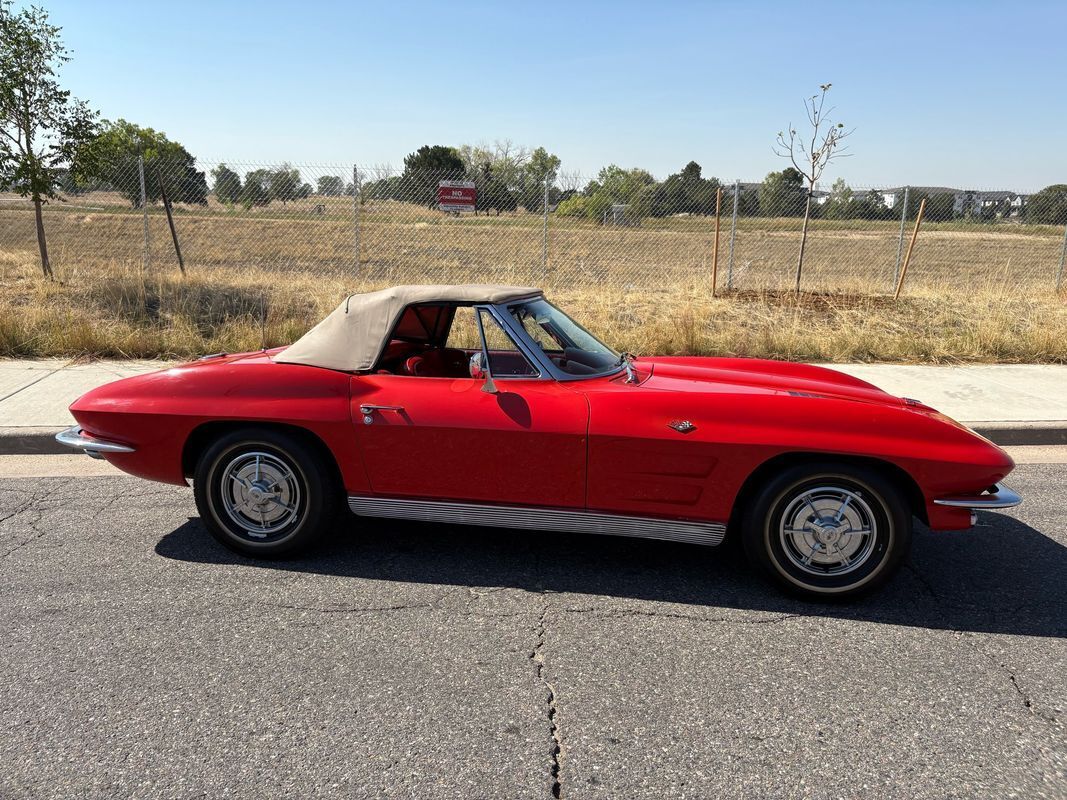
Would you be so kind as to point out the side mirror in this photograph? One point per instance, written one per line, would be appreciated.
(477, 366)
(479, 369)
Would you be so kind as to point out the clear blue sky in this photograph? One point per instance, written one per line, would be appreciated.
(969, 94)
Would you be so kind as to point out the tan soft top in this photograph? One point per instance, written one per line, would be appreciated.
(354, 334)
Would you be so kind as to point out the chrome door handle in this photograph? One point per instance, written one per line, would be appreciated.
(368, 409)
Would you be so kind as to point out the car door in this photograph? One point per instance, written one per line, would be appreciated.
(445, 438)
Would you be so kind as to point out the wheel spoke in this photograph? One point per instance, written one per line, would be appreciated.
(844, 505)
(844, 559)
(811, 553)
(811, 505)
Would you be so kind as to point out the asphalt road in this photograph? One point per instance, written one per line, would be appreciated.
(138, 658)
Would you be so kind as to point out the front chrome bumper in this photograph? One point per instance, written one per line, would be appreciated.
(77, 439)
(1000, 497)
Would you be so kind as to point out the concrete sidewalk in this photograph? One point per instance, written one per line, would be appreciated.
(1012, 404)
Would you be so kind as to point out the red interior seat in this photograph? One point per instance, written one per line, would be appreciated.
(443, 362)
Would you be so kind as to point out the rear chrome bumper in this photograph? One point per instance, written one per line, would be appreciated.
(74, 437)
(998, 496)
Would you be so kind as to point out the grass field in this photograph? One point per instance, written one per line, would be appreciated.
(974, 293)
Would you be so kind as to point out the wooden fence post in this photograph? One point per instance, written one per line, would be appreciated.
(170, 220)
(911, 246)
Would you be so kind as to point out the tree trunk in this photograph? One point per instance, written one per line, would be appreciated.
(46, 267)
(803, 240)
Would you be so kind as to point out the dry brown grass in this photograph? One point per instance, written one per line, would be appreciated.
(974, 294)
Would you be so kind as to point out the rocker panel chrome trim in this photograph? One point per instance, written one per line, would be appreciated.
(542, 519)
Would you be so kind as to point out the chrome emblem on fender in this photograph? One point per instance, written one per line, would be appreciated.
(682, 425)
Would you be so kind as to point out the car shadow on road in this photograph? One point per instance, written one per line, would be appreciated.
(1001, 577)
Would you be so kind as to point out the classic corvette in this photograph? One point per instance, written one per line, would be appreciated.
(487, 405)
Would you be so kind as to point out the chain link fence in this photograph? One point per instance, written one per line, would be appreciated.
(618, 230)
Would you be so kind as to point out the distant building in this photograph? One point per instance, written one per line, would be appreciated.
(893, 196)
(964, 201)
(975, 202)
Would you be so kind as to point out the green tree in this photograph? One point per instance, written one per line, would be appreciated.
(841, 204)
(227, 184)
(284, 184)
(614, 186)
(573, 206)
(42, 128)
(1049, 206)
(331, 185)
(940, 207)
(256, 191)
(782, 194)
(390, 188)
(112, 157)
(873, 206)
(541, 166)
(493, 194)
(425, 168)
(685, 192)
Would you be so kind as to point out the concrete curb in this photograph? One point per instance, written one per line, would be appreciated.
(1008, 434)
(42, 441)
(31, 441)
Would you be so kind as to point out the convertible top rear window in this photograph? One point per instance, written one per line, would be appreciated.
(424, 323)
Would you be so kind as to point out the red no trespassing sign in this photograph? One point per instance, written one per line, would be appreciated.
(456, 195)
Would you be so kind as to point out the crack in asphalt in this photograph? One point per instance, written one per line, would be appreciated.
(358, 609)
(922, 579)
(421, 605)
(633, 612)
(32, 506)
(972, 641)
(537, 656)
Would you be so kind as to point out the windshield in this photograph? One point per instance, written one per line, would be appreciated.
(569, 346)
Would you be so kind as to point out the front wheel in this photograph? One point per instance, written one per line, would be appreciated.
(828, 530)
(263, 493)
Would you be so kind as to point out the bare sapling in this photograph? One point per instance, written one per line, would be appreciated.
(810, 154)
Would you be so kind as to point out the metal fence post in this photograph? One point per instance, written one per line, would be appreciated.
(146, 255)
(900, 240)
(355, 214)
(733, 235)
(544, 230)
(1063, 260)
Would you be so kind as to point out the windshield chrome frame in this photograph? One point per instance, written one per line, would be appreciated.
(531, 349)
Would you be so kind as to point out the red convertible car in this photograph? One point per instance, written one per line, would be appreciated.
(487, 405)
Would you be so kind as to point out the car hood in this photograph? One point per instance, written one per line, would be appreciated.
(759, 376)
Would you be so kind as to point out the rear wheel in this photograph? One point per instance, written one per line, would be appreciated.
(828, 530)
(264, 493)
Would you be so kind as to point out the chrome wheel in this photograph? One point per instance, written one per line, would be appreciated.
(260, 494)
(828, 530)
